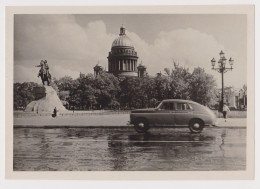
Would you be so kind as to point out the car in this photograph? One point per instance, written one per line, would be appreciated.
(173, 112)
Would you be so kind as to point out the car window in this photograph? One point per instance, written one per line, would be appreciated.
(182, 106)
(167, 106)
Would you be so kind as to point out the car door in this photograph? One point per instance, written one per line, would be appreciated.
(164, 115)
(183, 113)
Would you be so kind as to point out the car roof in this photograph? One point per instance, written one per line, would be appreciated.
(179, 100)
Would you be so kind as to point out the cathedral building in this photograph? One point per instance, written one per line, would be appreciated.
(122, 59)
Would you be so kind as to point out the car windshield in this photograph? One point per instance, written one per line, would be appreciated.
(159, 105)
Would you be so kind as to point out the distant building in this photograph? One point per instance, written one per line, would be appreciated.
(81, 75)
(234, 98)
(230, 95)
(122, 59)
(242, 99)
(97, 70)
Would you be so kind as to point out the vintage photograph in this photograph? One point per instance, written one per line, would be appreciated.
(130, 92)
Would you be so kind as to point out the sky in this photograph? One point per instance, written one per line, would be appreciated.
(76, 43)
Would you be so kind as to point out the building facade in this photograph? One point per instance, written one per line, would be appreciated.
(234, 98)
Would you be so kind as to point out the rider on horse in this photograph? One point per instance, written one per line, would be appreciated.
(44, 71)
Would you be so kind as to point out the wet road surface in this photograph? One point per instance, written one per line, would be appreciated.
(122, 149)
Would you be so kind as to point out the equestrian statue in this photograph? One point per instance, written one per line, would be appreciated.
(44, 72)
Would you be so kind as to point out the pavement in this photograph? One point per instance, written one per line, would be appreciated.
(95, 120)
(231, 122)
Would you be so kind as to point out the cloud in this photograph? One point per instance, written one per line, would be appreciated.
(71, 48)
(62, 42)
(190, 48)
(61, 72)
(24, 74)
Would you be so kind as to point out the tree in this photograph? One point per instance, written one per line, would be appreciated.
(202, 87)
(107, 91)
(138, 92)
(64, 84)
(178, 82)
(84, 93)
(148, 87)
(74, 97)
(161, 87)
(106, 87)
(167, 71)
(93, 92)
(129, 86)
(23, 94)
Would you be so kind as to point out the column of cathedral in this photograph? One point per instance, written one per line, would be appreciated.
(123, 65)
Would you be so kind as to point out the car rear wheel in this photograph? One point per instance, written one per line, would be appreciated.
(196, 125)
(141, 125)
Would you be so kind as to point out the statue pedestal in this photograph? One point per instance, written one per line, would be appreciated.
(46, 100)
(39, 92)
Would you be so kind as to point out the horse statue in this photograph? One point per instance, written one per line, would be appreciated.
(44, 72)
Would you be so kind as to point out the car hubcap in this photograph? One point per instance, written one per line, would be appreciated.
(141, 124)
(196, 125)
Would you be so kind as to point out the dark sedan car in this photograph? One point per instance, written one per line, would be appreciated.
(173, 112)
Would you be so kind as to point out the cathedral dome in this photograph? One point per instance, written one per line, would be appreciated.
(122, 40)
(122, 59)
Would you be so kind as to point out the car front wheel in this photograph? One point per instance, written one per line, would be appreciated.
(141, 125)
(196, 125)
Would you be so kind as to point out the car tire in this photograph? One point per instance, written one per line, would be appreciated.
(141, 125)
(196, 125)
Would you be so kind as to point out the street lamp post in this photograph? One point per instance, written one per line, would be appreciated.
(222, 69)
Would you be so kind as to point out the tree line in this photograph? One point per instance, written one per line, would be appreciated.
(105, 91)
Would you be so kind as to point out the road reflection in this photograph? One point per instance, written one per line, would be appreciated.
(122, 149)
(164, 147)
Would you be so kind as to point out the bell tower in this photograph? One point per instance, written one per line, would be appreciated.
(141, 70)
(97, 70)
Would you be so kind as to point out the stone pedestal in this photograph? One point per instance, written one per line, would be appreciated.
(47, 102)
(39, 92)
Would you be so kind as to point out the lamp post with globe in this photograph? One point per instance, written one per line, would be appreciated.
(222, 68)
